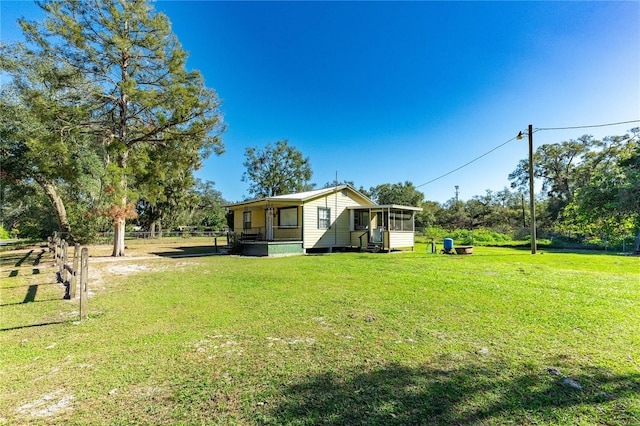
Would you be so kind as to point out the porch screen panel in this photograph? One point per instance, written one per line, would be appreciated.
(407, 221)
(361, 219)
(401, 220)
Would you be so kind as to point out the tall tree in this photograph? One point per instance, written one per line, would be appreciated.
(165, 182)
(610, 201)
(209, 210)
(147, 96)
(334, 183)
(429, 215)
(572, 167)
(25, 209)
(38, 140)
(276, 170)
(397, 193)
(167, 202)
(500, 211)
(454, 215)
(559, 167)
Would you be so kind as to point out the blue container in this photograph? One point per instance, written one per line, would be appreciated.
(448, 244)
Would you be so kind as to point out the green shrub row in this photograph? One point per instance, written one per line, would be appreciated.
(478, 236)
(487, 237)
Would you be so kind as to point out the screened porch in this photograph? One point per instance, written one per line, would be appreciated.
(383, 227)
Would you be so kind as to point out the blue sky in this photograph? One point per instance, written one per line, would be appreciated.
(387, 92)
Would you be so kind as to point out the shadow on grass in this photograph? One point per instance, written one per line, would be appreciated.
(468, 394)
(31, 294)
(38, 258)
(195, 251)
(32, 301)
(26, 256)
(20, 327)
(585, 251)
(19, 259)
(27, 285)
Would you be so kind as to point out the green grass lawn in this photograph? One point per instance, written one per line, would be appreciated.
(499, 337)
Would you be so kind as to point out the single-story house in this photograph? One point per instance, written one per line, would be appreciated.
(322, 220)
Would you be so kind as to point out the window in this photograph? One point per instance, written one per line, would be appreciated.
(324, 218)
(288, 218)
(246, 220)
(361, 219)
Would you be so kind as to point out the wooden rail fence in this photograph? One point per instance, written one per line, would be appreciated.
(73, 274)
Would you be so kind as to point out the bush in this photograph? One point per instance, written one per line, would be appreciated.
(4, 235)
(480, 236)
(434, 232)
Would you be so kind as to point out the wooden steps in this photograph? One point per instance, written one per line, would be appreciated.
(372, 248)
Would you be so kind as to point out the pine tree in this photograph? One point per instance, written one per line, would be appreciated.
(147, 98)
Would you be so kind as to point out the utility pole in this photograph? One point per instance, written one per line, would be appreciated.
(457, 192)
(531, 193)
(532, 197)
(524, 217)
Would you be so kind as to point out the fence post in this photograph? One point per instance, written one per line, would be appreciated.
(63, 260)
(74, 273)
(84, 272)
(53, 243)
(55, 251)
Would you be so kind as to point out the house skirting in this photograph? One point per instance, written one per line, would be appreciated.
(272, 248)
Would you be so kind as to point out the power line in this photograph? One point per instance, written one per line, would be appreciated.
(466, 164)
(516, 137)
(587, 127)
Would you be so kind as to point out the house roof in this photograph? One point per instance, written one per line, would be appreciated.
(386, 206)
(308, 195)
(301, 197)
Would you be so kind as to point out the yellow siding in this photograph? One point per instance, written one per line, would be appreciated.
(237, 221)
(339, 234)
(355, 237)
(257, 220)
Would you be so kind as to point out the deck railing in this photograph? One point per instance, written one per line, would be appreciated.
(280, 233)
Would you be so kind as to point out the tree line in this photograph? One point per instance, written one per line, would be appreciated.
(103, 126)
(589, 189)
